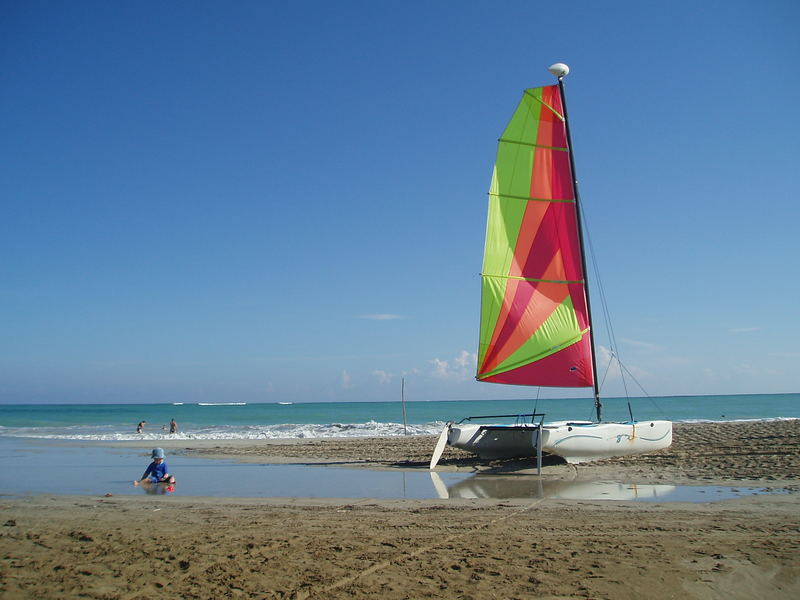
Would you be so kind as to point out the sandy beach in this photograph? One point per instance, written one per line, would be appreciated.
(168, 546)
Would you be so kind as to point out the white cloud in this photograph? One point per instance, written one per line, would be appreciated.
(792, 355)
(440, 367)
(611, 372)
(380, 317)
(382, 376)
(750, 370)
(646, 346)
(460, 367)
(346, 380)
(606, 371)
(466, 360)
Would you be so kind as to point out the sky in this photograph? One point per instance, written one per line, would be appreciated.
(285, 201)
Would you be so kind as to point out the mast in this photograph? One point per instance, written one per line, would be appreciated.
(560, 70)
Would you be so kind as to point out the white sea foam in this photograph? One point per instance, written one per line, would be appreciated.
(228, 432)
(257, 432)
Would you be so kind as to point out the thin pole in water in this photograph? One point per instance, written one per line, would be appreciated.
(539, 449)
(596, 385)
(403, 401)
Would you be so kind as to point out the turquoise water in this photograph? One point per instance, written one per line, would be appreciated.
(351, 419)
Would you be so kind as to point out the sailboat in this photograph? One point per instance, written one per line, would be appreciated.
(536, 327)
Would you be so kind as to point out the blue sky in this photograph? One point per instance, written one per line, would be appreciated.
(263, 201)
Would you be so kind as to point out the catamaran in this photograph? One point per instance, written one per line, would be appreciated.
(536, 326)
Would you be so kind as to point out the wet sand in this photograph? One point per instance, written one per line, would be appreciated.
(157, 547)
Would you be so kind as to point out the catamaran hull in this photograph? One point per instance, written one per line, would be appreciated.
(492, 441)
(574, 442)
(583, 443)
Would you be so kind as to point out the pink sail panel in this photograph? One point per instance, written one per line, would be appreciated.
(549, 371)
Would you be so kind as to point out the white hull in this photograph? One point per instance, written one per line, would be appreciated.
(575, 442)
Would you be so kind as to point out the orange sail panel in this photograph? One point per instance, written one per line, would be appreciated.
(534, 319)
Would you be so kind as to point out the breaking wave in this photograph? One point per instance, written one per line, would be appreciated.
(227, 432)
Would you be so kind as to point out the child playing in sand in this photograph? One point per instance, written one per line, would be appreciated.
(157, 471)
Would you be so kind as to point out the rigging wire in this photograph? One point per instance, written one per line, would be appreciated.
(605, 374)
(536, 402)
(614, 349)
(644, 391)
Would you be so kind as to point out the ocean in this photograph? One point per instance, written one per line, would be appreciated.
(117, 422)
(68, 448)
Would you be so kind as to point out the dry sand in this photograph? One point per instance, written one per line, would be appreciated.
(157, 547)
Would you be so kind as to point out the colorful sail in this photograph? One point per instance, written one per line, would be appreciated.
(534, 317)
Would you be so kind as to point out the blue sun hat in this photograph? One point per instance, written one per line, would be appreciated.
(157, 453)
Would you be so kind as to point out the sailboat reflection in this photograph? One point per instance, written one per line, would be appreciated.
(529, 486)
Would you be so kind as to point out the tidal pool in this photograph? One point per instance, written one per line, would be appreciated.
(39, 467)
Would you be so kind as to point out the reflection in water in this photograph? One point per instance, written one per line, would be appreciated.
(493, 486)
(158, 488)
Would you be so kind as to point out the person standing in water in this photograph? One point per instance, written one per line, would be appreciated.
(173, 426)
(140, 427)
